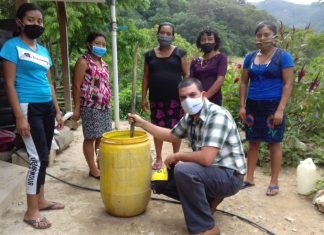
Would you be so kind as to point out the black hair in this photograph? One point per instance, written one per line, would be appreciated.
(189, 81)
(21, 13)
(269, 24)
(93, 35)
(166, 24)
(25, 7)
(209, 32)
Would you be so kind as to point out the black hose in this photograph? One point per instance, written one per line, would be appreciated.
(164, 200)
(72, 184)
(225, 213)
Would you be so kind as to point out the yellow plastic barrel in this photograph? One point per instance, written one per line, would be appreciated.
(125, 172)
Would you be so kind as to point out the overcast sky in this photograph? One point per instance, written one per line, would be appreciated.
(293, 1)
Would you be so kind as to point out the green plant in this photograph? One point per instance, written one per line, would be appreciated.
(303, 136)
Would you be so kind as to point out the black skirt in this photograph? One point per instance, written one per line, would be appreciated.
(259, 121)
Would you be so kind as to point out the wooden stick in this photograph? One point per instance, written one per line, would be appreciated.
(133, 106)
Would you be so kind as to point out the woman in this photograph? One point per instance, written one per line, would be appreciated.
(164, 68)
(91, 95)
(265, 88)
(210, 68)
(26, 66)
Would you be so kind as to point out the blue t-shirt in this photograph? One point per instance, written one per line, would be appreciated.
(266, 80)
(32, 85)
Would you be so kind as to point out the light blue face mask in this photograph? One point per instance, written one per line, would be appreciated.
(98, 51)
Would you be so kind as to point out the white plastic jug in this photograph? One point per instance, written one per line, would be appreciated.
(306, 176)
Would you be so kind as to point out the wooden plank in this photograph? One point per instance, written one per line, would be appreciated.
(62, 18)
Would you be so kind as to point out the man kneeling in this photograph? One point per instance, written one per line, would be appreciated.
(214, 169)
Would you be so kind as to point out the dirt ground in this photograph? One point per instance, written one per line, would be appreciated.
(286, 213)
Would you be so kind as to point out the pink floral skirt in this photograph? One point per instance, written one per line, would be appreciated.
(166, 113)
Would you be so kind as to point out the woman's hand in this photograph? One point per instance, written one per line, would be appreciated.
(277, 117)
(76, 114)
(144, 105)
(59, 119)
(22, 127)
(242, 114)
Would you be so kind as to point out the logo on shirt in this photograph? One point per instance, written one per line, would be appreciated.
(27, 55)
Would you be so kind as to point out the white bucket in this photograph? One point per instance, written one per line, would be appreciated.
(306, 176)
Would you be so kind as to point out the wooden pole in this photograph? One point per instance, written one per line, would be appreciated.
(133, 106)
(62, 19)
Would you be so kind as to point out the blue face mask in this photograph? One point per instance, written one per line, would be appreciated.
(98, 51)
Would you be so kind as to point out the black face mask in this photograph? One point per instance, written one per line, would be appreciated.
(33, 31)
(207, 47)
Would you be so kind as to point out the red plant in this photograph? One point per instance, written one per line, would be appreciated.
(315, 83)
(301, 73)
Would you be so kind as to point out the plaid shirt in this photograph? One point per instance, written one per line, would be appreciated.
(215, 127)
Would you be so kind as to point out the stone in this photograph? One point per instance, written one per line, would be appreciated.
(318, 200)
(63, 138)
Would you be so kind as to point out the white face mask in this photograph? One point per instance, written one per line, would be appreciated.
(192, 105)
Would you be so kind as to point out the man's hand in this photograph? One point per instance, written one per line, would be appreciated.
(171, 160)
(135, 119)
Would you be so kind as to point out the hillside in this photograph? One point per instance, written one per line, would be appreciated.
(295, 14)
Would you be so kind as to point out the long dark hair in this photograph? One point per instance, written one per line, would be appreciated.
(21, 13)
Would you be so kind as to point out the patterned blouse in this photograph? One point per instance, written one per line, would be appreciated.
(95, 90)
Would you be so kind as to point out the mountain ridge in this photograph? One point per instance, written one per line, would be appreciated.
(297, 15)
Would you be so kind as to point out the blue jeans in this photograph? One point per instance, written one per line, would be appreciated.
(196, 186)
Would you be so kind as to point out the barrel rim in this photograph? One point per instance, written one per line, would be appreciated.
(114, 137)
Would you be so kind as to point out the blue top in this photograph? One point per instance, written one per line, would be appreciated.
(32, 84)
(266, 80)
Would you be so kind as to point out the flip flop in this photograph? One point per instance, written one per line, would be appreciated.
(53, 206)
(157, 165)
(35, 223)
(247, 184)
(93, 176)
(272, 190)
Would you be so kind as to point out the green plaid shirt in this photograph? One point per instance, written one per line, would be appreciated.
(215, 127)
